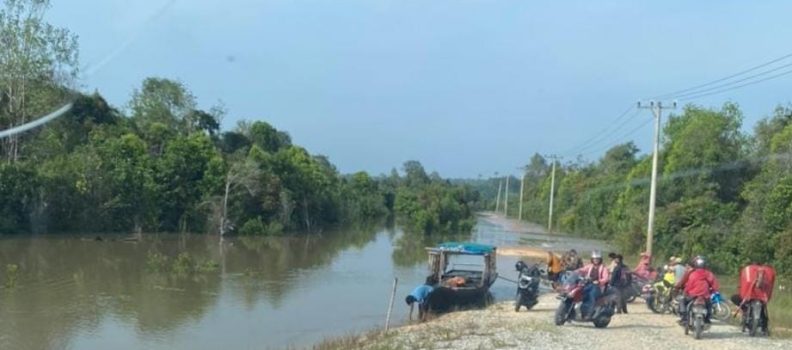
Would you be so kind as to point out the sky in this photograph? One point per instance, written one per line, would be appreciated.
(468, 88)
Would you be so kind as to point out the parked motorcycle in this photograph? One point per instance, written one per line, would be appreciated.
(755, 318)
(527, 286)
(720, 309)
(697, 312)
(571, 297)
(659, 298)
(635, 289)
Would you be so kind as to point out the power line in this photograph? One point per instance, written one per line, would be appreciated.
(605, 136)
(718, 87)
(622, 137)
(90, 70)
(685, 91)
(35, 123)
(596, 137)
(737, 87)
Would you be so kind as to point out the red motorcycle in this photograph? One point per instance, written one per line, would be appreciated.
(571, 297)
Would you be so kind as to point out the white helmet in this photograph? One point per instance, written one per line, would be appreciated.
(596, 254)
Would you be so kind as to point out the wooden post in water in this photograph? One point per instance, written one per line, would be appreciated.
(390, 305)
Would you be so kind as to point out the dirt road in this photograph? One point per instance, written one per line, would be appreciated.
(499, 327)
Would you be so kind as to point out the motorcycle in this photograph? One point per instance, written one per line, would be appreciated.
(527, 286)
(635, 289)
(697, 313)
(571, 297)
(659, 299)
(720, 309)
(755, 318)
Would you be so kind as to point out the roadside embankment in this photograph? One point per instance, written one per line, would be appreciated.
(500, 327)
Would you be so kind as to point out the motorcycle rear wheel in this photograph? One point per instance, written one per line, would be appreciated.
(698, 325)
(755, 317)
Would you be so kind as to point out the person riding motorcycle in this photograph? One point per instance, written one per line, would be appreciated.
(698, 282)
(599, 276)
(644, 268)
(679, 268)
(669, 276)
(757, 281)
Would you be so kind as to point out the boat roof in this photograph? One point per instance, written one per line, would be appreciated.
(466, 248)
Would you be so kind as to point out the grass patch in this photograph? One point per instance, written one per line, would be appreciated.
(12, 272)
(183, 265)
(373, 339)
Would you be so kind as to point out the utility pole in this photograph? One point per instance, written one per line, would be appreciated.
(497, 201)
(554, 158)
(506, 199)
(522, 190)
(657, 110)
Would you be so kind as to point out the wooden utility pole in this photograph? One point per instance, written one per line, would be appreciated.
(657, 110)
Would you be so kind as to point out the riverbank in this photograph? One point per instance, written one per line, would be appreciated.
(500, 327)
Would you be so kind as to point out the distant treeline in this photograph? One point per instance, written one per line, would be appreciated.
(162, 164)
(722, 193)
(168, 167)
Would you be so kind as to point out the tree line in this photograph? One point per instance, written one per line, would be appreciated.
(722, 192)
(162, 164)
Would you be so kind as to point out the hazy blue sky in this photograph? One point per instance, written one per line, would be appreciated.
(466, 87)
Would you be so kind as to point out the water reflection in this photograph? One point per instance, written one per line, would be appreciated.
(410, 249)
(71, 285)
(73, 292)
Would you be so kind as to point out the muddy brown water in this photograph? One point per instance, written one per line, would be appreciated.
(72, 292)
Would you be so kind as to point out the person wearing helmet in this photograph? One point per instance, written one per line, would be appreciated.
(599, 276)
(679, 269)
(697, 282)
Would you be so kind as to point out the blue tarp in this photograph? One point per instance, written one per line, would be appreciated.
(467, 248)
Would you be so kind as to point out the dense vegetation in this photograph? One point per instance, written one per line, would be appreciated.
(162, 163)
(721, 192)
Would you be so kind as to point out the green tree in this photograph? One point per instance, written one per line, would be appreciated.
(36, 61)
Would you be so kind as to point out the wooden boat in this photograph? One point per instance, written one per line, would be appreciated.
(473, 290)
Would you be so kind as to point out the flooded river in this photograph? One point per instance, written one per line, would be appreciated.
(190, 292)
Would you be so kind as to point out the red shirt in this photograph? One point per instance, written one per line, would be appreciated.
(699, 283)
(756, 283)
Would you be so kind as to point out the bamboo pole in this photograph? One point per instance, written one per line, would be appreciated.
(390, 305)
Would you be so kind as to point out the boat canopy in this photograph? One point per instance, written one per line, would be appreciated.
(467, 248)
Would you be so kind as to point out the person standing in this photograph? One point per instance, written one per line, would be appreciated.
(553, 268)
(619, 281)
